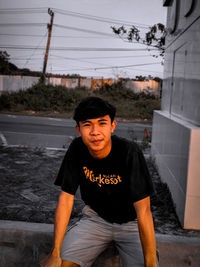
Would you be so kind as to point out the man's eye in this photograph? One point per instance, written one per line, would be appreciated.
(86, 125)
(102, 123)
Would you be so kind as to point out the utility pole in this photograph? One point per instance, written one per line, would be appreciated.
(49, 26)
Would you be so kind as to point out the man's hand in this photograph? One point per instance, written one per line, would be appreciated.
(62, 215)
(51, 261)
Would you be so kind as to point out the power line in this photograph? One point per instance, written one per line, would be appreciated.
(82, 30)
(117, 57)
(81, 60)
(22, 24)
(63, 27)
(56, 57)
(72, 37)
(94, 32)
(146, 70)
(112, 67)
(22, 59)
(101, 19)
(71, 13)
(22, 10)
(58, 36)
(18, 47)
(34, 50)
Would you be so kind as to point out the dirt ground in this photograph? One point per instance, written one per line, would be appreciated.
(28, 193)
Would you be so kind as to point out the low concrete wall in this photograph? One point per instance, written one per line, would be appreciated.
(150, 86)
(69, 83)
(87, 83)
(176, 149)
(26, 244)
(15, 83)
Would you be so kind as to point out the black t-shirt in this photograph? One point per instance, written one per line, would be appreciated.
(110, 185)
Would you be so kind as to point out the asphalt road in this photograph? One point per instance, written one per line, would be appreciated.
(51, 132)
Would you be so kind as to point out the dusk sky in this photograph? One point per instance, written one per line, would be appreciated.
(80, 25)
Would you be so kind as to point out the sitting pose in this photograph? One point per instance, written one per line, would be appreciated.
(115, 186)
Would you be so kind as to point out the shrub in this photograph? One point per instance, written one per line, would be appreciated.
(42, 98)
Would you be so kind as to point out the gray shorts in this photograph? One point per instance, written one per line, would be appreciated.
(90, 236)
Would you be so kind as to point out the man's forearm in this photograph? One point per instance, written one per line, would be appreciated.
(146, 230)
(148, 241)
(62, 216)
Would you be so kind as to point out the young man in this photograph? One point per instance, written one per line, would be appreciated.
(115, 186)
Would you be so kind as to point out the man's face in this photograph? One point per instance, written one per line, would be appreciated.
(96, 135)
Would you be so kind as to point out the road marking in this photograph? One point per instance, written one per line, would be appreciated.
(55, 148)
(12, 116)
(3, 139)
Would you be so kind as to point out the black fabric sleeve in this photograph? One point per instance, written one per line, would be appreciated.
(68, 175)
(140, 181)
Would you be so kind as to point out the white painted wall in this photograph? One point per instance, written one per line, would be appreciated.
(176, 128)
(15, 83)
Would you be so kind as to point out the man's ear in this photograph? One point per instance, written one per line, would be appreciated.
(78, 129)
(114, 124)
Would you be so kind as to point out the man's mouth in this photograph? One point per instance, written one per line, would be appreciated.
(96, 142)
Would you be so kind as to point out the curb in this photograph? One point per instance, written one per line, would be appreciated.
(48, 228)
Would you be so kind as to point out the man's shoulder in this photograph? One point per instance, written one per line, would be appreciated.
(76, 144)
(77, 141)
(124, 144)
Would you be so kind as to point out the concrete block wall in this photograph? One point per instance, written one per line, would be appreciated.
(176, 128)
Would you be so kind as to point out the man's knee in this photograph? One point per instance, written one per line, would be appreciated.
(69, 264)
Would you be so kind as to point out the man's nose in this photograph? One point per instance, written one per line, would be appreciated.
(94, 130)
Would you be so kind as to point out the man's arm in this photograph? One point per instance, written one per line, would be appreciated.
(62, 216)
(146, 231)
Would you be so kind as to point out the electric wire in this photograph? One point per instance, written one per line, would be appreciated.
(80, 15)
(21, 47)
(153, 71)
(112, 67)
(57, 36)
(35, 50)
(72, 13)
(98, 18)
(22, 10)
(116, 57)
(98, 33)
(82, 30)
(22, 24)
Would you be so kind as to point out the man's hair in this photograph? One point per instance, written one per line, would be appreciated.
(92, 108)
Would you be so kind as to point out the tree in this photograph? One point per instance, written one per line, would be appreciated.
(4, 62)
(5, 66)
(154, 37)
